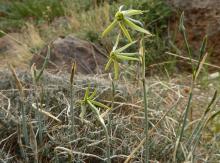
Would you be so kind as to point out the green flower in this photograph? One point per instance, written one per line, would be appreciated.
(122, 18)
(89, 100)
(117, 55)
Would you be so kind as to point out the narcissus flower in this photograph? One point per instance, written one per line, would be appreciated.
(117, 55)
(122, 18)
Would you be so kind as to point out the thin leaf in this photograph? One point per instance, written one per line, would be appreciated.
(109, 28)
(136, 27)
(125, 31)
(99, 104)
(213, 116)
(212, 101)
(181, 25)
(108, 64)
(126, 58)
(124, 47)
(203, 46)
(44, 65)
(132, 12)
(116, 69)
(200, 66)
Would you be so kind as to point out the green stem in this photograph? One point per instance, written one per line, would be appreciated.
(95, 110)
(72, 113)
(24, 122)
(146, 126)
(184, 121)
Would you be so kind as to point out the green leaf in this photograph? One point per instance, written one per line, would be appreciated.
(108, 64)
(109, 28)
(99, 104)
(181, 25)
(203, 46)
(124, 47)
(125, 31)
(132, 12)
(136, 27)
(116, 70)
(126, 58)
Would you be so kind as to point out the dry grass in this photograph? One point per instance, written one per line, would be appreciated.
(127, 120)
(18, 47)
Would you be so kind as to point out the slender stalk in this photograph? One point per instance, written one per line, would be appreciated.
(72, 119)
(22, 103)
(146, 126)
(110, 119)
(95, 110)
(184, 123)
(72, 112)
(24, 121)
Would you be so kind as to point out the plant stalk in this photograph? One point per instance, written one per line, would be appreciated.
(146, 126)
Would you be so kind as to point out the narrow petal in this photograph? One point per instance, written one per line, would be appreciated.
(120, 8)
(125, 31)
(99, 104)
(126, 58)
(93, 94)
(132, 12)
(116, 70)
(87, 92)
(108, 64)
(130, 54)
(135, 21)
(109, 28)
(124, 47)
(136, 27)
(116, 43)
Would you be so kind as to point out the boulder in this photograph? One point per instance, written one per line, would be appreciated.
(65, 50)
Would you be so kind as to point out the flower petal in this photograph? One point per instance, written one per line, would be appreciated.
(136, 27)
(124, 47)
(125, 31)
(109, 28)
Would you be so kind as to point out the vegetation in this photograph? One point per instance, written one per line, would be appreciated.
(113, 118)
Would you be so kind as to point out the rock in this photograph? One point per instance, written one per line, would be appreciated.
(88, 57)
(202, 17)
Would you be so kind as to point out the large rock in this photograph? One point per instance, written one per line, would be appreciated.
(202, 17)
(88, 57)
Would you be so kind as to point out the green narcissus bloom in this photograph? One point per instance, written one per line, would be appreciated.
(117, 55)
(122, 18)
(89, 100)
